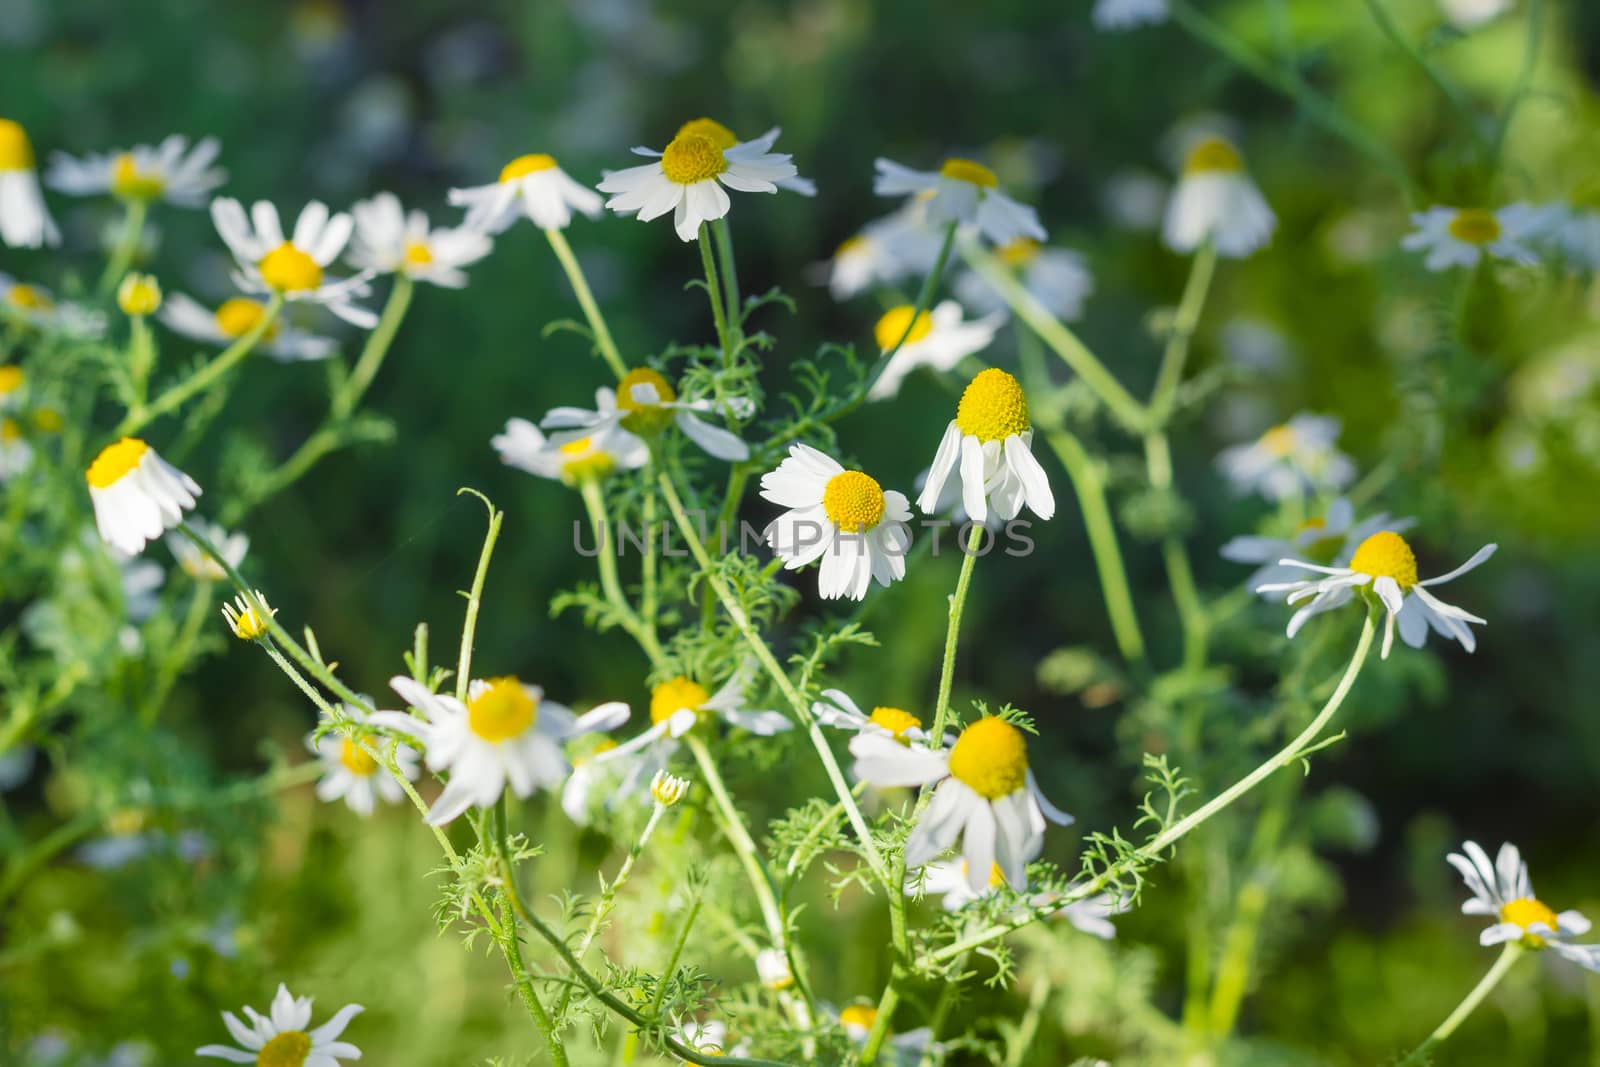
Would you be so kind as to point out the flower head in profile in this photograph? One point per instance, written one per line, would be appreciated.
(139, 295)
(965, 192)
(842, 517)
(1129, 14)
(645, 404)
(505, 734)
(1058, 278)
(390, 240)
(1290, 459)
(137, 495)
(524, 446)
(249, 616)
(837, 710)
(201, 567)
(990, 442)
(884, 252)
(939, 339)
(984, 793)
(1386, 565)
(772, 967)
(350, 773)
(1330, 538)
(173, 171)
(532, 186)
(1216, 200)
(283, 1038)
(292, 267)
(668, 790)
(237, 316)
(25, 222)
(1503, 891)
(688, 179)
(38, 307)
(1461, 237)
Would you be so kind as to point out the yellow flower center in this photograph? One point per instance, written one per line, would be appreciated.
(896, 721)
(992, 407)
(645, 418)
(289, 270)
(239, 315)
(49, 420)
(523, 166)
(355, 758)
(1386, 555)
(10, 431)
(116, 460)
(1018, 253)
(965, 170)
(30, 298)
(675, 695)
(711, 130)
(503, 711)
(1279, 441)
(418, 254)
(854, 501)
(1475, 226)
(851, 246)
(893, 325)
(16, 152)
(139, 294)
(10, 379)
(583, 460)
(1525, 911)
(861, 1015)
(692, 158)
(288, 1049)
(1213, 156)
(128, 183)
(991, 757)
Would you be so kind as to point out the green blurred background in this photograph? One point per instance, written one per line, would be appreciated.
(1363, 949)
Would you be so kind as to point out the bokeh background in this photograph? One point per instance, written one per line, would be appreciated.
(1362, 947)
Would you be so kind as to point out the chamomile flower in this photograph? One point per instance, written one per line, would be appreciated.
(952, 881)
(1128, 14)
(939, 339)
(1216, 200)
(836, 709)
(283, 1038)
(688, 176)
(1503, 890)
(249, 616)
(1330, 538)
(24, 220)
(1058, 278)
(1386, 564)
(842, 517)
(905, 1049)
(1574, 231)
(984, 793)
(16, 454)
(585, 777)
(139, 295)
(505, 734)
(668, 790)
(293, 267)
(37, 306)
(725, 139)
(13, 379)
(234, 318)
(354, 776)
(886, 251)
(991, 441)
(390, 240)
(201, 567)
(1460, 237)
(1290, 459)
(772, 968)
(964, 192)
(137, 495)
(532, 186)
(524, 446)
(644, 405)
(171, 171)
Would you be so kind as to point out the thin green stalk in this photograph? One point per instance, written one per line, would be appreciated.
(511, 948)
(1028, 1029)
(714, 292)
(1184, 322)
(1519, 90)
(373, 352)
(930, 285)
(744, 847)
(730, 275)
(1508, 956)
(1180, 576)
(1239, 944)
(594, 502)
(469, 626)
(591, 311)
(880, 1023)
(177, 655)
(1463, 109)
(127, 245)
(952, 636)
(142, 415)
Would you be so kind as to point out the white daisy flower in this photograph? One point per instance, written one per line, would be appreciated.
(688, 178)
(532, 186)
(1574, 231)
(24, 220)
(844, 518)
(236, 317)
(1470, 14)
(1502, 889)
(991, 440)
(352, 775)
(586, 776)
(836, 709)
(524, 446)
(984, 793)
(772, 968)
(937, 339)
(1385, 563)
(905, 1049)
(201, 567)
(1128, 14)
(282, 1038)
(725, 139)
(1289, 459)
(137, 495)
(885, 252)
(16, 455)
(1331, 538)
(1215, 199)
(36, 305)
(644, 405)
(171, 171)
(270, 264)
(1460, 237)
(505, 734)
(961, 191)
(390, 240)
(12, 380)
(1058, 278)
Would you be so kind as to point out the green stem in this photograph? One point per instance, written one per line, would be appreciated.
(176, 657)
(1391, 30)
(880, 1023)
(1028, 1028)
(1468, 1005)
(930, 285)
(714, 292)
(594, 502)
(127, 245)
(1238, 950)
(743, 845)
(373, 352)
(952, 635)
(1519, 91)
(1180, 576)
(469, 626)
(1184, 323)
(591, 311)
(730, 275)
